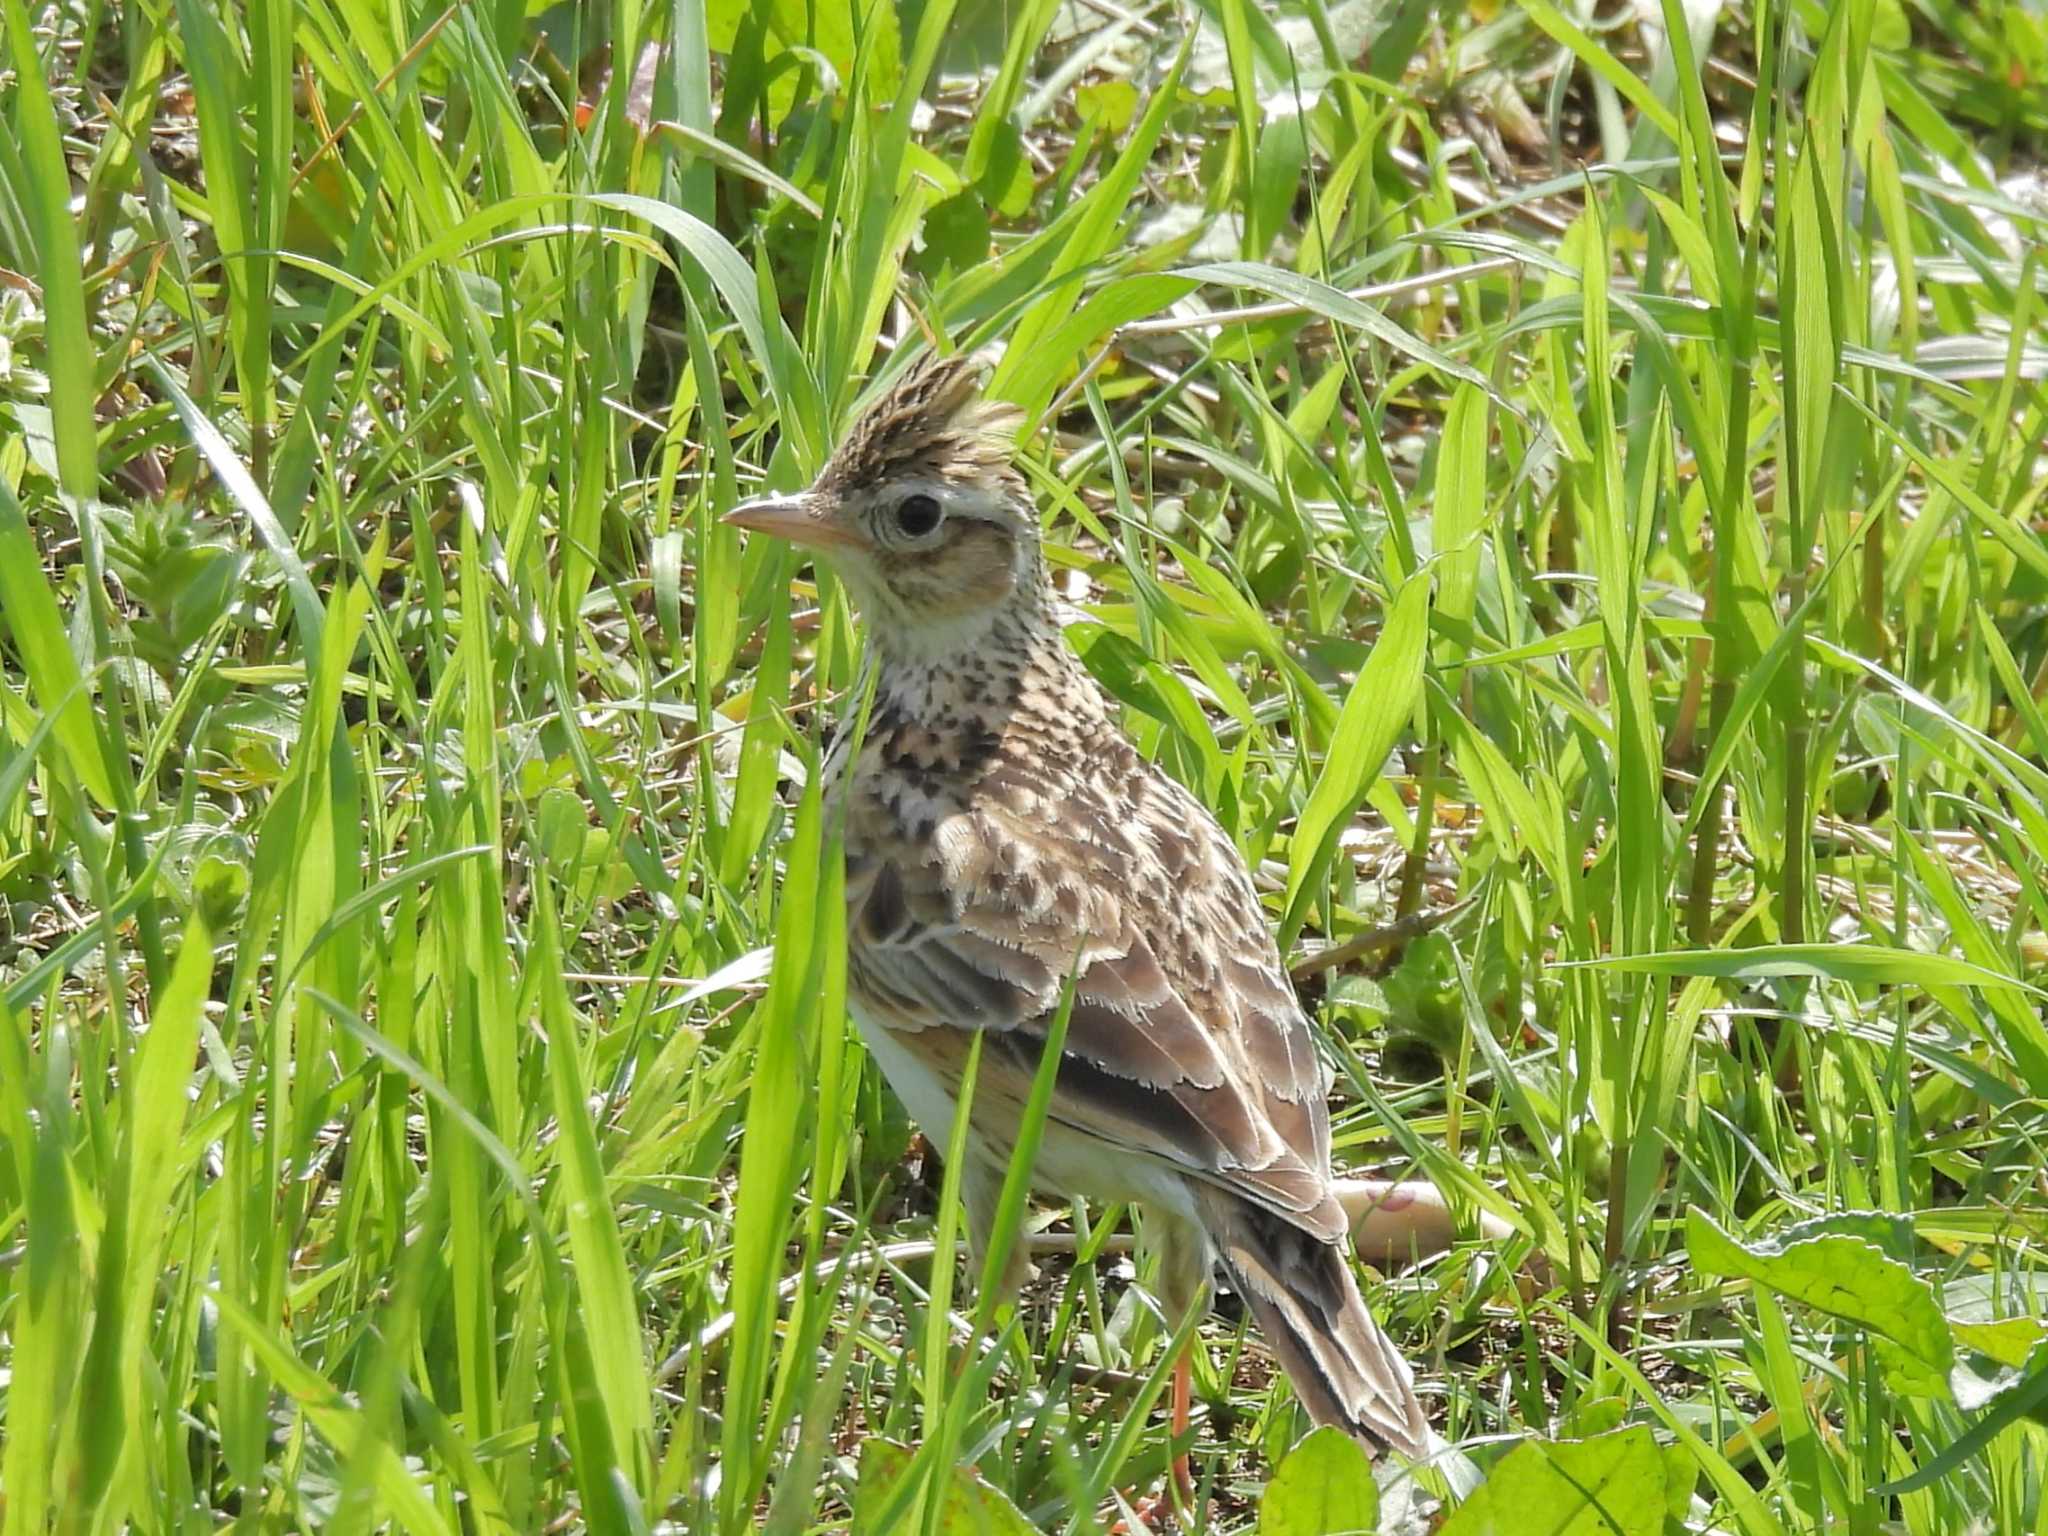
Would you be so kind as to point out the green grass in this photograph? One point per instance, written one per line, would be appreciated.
(404, 776)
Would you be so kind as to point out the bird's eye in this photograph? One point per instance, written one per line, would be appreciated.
(918, 515)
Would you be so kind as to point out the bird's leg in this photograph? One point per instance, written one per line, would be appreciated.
(1183, 1271)
(1183, 1286)
(1150, 1508)
(1183, 1405)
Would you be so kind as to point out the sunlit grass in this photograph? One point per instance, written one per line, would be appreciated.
(1630, 579)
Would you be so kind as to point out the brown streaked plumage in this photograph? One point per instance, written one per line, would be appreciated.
(1002, 833)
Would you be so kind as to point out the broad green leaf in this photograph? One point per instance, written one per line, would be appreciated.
(1614, 1485)
(968, 1506)
(2010, 1341)
(1845, 1275)
(1112, 102)
(836, 33)
(1748, 1507)
(1323, 1487)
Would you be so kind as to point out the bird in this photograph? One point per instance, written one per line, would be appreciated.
(1005, 841)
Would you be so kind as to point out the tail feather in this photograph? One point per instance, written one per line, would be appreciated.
(1344, 1368)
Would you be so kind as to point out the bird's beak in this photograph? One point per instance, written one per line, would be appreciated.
(796, 517)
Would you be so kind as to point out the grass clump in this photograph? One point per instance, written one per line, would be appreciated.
(405, 780)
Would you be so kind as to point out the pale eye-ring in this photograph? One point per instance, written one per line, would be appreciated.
(918, 514)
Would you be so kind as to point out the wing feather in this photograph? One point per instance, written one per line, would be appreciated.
(1185, 1042)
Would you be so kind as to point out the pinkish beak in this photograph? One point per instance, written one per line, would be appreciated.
(794, 517)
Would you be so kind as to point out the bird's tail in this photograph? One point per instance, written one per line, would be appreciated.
(1344, 1368)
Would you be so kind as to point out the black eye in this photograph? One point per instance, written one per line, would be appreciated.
(918, 515)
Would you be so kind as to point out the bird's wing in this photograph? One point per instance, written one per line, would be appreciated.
(1185, 1042)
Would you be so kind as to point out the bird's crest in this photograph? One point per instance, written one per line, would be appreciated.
(932, 421)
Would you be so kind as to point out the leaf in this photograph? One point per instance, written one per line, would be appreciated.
(1846, 1275)
(955, 234)
(1113, 102)
(970, 1506)
(1612, 1485)
(1098, 217)
(338, 1420)
(1602, 63)
(2026, 1398)
(1276, 180)
(728, 157)
(143, 1199)
(849, 33)
(2009, 1340)
(1339, 307)
(733, 976)
(1863, 964)
(29, 612)
(612, 1412)
(44, 201)
(1114, 304)
(776, 1130)
(248, 495)
(1460, 504)
(1136, 679)
(1324, 1487)
(709, 250)
(1380, 703)
(1006, 179)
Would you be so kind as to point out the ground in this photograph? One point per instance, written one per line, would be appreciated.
(425, 1096)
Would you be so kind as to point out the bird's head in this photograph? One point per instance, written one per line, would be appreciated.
(921, 510)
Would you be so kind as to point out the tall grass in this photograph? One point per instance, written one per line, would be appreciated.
(425, 1096)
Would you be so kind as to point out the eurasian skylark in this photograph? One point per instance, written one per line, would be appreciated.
(1001, 834)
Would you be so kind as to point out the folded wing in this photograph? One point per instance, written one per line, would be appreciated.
(1185, 1042)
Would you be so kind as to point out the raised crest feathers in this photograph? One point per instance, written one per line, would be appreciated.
(932, 420)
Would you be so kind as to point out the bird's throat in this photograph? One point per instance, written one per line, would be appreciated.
(973, 668)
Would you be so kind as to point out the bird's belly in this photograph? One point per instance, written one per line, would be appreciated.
(1070, 1162)
(1075, 1163)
